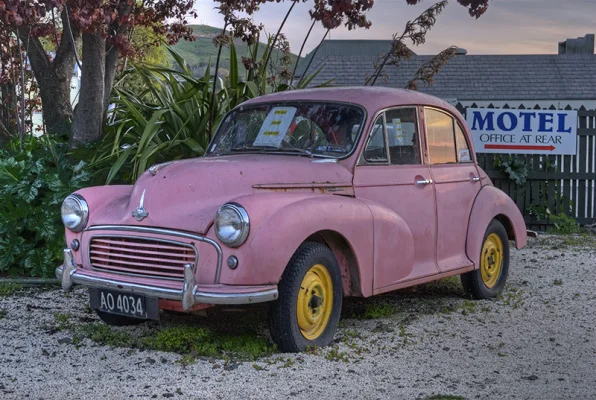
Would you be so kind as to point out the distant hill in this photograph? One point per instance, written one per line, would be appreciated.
(202, 51)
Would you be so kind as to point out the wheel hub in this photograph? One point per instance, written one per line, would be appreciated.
(491, 260)
(315, 302)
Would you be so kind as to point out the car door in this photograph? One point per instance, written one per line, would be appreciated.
(456, 181)
(392, 172)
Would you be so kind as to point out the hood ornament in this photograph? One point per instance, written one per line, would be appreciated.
(140, 213)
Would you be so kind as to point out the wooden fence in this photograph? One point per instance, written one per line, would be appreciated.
(560, 183)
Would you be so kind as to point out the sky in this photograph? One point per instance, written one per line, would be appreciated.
(508, 27)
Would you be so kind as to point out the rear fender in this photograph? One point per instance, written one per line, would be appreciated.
(491, 203)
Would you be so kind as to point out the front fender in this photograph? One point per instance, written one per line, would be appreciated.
(102, 201)
(280, 222)
(491, 203)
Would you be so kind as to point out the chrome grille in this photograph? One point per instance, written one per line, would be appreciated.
(141, 256)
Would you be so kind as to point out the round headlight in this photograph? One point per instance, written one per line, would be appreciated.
(232, 224)
(75, 212)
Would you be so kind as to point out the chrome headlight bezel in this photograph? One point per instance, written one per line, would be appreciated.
(83, 208)
(242, 220)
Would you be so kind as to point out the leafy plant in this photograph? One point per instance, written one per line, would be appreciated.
(540, 211)
(33, 183)
(169, 119)
(514, 168)
(564, 224)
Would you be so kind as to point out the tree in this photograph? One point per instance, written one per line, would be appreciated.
(103, 31)
(352, 14)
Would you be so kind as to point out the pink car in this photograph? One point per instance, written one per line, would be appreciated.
(303, 198)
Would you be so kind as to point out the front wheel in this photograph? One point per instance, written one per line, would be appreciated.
(310, 298)
(489, 279)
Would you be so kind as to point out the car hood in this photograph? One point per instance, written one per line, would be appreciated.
(185, 195)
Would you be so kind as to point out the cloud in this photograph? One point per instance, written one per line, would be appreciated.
(509, 26)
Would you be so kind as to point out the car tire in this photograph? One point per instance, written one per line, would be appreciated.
(303, 316)
(118, 320)
(489, 279)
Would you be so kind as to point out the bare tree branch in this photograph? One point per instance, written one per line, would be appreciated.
(416, 31)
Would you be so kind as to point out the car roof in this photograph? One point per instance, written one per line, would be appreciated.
(371, 98)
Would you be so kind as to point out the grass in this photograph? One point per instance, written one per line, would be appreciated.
(584, 240)
(203, 342)
(188, 340)
(9, 289)
(376, 311)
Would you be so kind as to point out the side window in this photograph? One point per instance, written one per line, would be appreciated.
(402, 136)
(376, 148)
(440, 138)
(463, 149)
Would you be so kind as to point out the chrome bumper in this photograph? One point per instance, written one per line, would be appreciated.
(189, 295)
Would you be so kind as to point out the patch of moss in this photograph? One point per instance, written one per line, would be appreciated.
(3, 313)
(376, 311)
(203, 342)
(9, 289)
(104, 334)
(584, 240)
(189, 341)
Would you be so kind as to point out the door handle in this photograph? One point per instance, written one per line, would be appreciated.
(424, 182)
(475, 179)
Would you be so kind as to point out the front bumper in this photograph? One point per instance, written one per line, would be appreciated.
(190, 294)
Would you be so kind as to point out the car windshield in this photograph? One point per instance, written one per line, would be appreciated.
(302, 128)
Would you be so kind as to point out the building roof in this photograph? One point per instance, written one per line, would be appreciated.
(466, 77)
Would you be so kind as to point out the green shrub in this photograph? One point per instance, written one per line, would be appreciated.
(168, 117)
(33, 183)
(514, 168)
(562, 224)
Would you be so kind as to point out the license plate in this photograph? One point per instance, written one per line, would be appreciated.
(127, 304)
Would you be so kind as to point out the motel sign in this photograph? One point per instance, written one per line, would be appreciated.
(523, 131)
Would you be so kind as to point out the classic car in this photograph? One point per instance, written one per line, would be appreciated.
(302, 199)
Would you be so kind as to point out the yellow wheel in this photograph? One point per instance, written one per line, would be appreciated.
(315, 301)
(489, 279)
(491, 260)
(309, 305)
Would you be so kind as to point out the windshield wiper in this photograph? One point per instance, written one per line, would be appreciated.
(254, 148)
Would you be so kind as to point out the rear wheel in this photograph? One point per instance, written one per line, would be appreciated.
(489, 279)
(118, 320)
(310, 298)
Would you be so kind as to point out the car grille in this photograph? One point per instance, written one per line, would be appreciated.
(140, 256)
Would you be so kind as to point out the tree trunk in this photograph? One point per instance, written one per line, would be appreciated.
(112, 56)
(89, 112)
(4, 134)
(53, 78)
(8, 96)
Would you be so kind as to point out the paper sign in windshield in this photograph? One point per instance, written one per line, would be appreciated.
(275, 126)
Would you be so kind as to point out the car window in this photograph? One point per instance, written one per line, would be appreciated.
(440, 137)
(376, 148)
(463, 149)
(402, 136)
(295, 127)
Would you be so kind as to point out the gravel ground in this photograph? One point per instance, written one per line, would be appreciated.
(537, 341)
